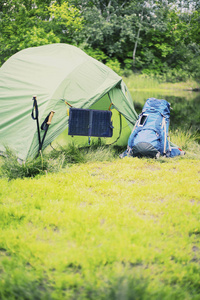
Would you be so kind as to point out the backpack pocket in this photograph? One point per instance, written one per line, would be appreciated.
(149, 136)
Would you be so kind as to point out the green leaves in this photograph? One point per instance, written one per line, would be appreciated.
(37, 37)
(155, 34)
(65, 20)
(33, 23)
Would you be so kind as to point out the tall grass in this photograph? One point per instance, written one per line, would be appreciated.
(12, 168)
(187, 140)
(141, 82)
(148, 82)
(59, 158)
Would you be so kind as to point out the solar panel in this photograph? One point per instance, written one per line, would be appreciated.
(90, 122)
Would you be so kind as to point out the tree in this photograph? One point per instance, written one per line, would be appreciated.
(26, 23)
(65, 21)
(104, 23)
(140, 34)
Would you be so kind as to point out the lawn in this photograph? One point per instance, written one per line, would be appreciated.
(119, 229)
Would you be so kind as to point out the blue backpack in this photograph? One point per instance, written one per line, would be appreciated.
(149, 137)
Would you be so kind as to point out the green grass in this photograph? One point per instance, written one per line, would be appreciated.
(145, 82)
(187, 141)
(80, 224)
(53, 161)
(94, 226)
(143, 87)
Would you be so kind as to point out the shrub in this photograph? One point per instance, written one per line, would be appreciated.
(95, 53)
(114, 64)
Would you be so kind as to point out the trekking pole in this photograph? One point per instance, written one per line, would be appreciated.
(35, 115)
(45, 126)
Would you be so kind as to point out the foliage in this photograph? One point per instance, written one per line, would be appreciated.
(95, 53)
(98, 54)
(65, 21)
(37, 37)
(114, 65)
(102, 230)
(33, 23)
(151, 36)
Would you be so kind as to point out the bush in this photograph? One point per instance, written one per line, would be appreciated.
(95, 53)
(128, 63)
(176, 75)
(114, 64)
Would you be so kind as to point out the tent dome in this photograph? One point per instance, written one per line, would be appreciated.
(55, 73)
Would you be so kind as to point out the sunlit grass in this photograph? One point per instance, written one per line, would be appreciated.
(80, 223)
(188, 141)
(139, 81)
(143, 87)
(145, 82)
(122, 229)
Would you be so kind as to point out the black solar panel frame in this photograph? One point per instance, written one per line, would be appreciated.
(90, 122)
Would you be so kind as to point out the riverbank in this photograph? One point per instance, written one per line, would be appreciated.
(144, 82)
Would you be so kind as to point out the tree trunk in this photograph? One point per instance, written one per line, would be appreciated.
(137, 38)
(136, 43)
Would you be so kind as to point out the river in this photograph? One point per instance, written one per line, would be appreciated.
(185, 113)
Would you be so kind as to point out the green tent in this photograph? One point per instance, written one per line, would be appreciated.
(56, 73)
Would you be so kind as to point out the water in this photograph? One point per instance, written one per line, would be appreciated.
(185, 113)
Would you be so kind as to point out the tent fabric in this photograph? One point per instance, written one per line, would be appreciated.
(55, 73)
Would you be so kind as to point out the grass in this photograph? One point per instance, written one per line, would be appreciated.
(144, 82)
(57, 159)
(143, 87)
(80, 224)
(91, 226)
(127, 229)
(188, 141)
